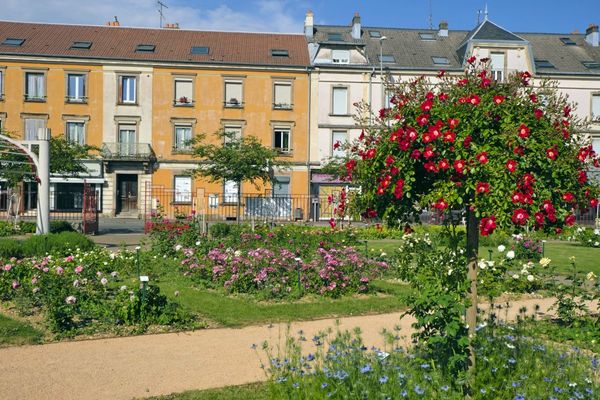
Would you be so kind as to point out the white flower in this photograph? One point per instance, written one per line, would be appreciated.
(515, 276)
(383, 254)
(138, 247)
(122, 288)
(237, 253)
(510, 254)
(544, 262)
(596, 244)
(112, 256)
(501, 248)
(596, 231)
(482, 264)
(450, 271)
(198, 243)
(590, 276)
(71, 300)
(114, 274)
(177, 293)
(178, 247)
(530, 278)
(510, 346)
(104, 281)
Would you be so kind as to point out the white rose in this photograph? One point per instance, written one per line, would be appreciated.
(530, 278)
(482, 264)
(510, 254)
(515, 276)
(596, 231)
(178, 247)
(198, 243)
(501, 248)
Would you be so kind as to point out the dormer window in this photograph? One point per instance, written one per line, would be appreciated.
(145, 48)
(567, 41)
(335, 37)
(340, 56)
(375, 34)
(387, 59)
(497, 63)
(426, 36)
(543, 64)
(81, 45)
(200, 50)
(13, 42)
(591, 64)
(440, 60)
(280, 53)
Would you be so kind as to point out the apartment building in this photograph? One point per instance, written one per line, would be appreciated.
(141, 95)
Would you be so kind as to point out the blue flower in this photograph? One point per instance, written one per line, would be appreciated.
(483, 391)
(383, 379)
(519, 397)
(323, 385)
(281, 379)
(512, 361)
(296, 385)
(404, 393)
(445, 388)
(310, 357)
(557, 389)
(425, 366)
(367, 368)
(516, 384)
(341, 375)
(418, 390)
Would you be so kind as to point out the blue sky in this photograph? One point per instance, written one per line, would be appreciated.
(288, 15)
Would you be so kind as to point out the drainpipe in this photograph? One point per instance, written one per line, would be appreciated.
(371, 96)
(308, 71)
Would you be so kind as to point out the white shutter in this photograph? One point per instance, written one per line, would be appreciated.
(596, 106)
(230, 192)
(340, 56)
(233, 93)
(497, 61)
(283, 95)
(183, 189)
(340, 101)
(33, 127)
(183, 89)
(596, 144)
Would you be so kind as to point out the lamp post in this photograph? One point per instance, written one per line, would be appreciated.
(381, 39)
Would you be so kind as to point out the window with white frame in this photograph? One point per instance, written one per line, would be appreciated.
(75, 132)
(1, 83)
(497, 66)
(282, 95)
(127, 89)
(76, 88)
(339, 101)
(184, 92)
(596, 144)
(338, 138)
(282, 140)
(183, 189)
(340, 56)
(232, 132)
(230, 192)
(127, 139)
(35, 86)
(233, 94)
(596, 107)
(183, 137)
(33, 128)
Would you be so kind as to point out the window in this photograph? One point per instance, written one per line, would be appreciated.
(282, 95)
(233, 94)
(1, 83)
(440, 61)
(340, 56)
(387, 58)
(232, 132)
(76, 132)
(76, 88)
(127, 140)
(281, 140)
(339, 101)
(426, 36)
(567, 41)
(183, 189)
(280, 53)
(335, 37)
(184, 92)
(281, 186)
(230, 192)
(183, 137)
(13, 41)
(596, 144)
(543, 64)
(338, 138)
(497, 66)
(127, 89)
(145, 48)
(591, 64)
(67, 196)
(200, 50)
(35, 86)
(375, 34)
(596, 107)
(33, 126)
(81, 45)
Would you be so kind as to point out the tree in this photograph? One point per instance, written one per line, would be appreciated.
(237, 160)
(508, 154)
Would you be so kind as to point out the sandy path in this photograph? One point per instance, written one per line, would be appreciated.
(142, 366)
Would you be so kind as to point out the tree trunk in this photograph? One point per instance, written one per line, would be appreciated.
(472, 254)
(239, 199)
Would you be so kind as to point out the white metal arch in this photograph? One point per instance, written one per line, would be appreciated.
(42, 166)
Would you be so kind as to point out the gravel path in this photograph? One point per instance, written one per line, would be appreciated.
(143, 366)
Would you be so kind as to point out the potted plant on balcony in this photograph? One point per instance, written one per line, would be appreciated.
(183, 100)
(233, 102)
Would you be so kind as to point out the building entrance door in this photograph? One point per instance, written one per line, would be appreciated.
(127, 194)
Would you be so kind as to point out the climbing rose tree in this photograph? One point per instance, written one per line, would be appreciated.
(510, 155)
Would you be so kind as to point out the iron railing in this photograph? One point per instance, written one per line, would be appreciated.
(127, 151)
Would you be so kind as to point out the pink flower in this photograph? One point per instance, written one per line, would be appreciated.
(15, 284)
(78, 269)
(59, 270)
(7, 267)
(71, 300)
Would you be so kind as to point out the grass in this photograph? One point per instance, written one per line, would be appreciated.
(254, 391)
(235, 311)
(13, 332)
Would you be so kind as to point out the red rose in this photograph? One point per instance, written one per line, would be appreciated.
(511, 165)
(449, 137)
(551, 153)
(427, 137)
(474, 99)
(582, 177)
(520, 216)
(332, 223)
(487, 225)
(440, 204)
(482, 157)
(422, 119)
(389, 160)
(412, 134)
(462, 82)
(467, 141)
(441, 73)
(568, 197)
(539, 218)
(443, 164)
(453, 123)
(426, 105)
(371, 153)
(593, 202)
(399, 189)
(566, 111)
(538, 113)
(485, 82)
(394, 170)
(430, 166)
(471, 59)
(443, 96)
(523, 131)
(415, 154)
(459, 166)
(517, 197)
(362, 135)
(428, 153)
(350, 165)
(404, 145)
(498, 99)
(482, 187)
(519, 150)
(570, 220)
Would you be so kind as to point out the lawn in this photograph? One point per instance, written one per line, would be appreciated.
(13, 332)
(255, 391)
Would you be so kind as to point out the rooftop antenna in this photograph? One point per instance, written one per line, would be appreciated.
(161, 5)
(430, 16)
(478, 17)
(485, 13)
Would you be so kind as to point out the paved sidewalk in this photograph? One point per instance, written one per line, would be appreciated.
(143, 366)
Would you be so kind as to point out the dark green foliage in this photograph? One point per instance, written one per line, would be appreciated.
(58, 243)
(61, 226)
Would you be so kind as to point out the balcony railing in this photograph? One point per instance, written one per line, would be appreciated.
(76, 99)
(127, 151)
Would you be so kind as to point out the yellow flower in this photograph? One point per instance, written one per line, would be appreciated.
(544, 262)
(572, 258)
(590, 276)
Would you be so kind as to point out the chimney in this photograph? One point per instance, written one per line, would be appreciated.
(356, 26)
(309, 24)
(172, 26)
(113, 23)
(592, 36)
(443, 30)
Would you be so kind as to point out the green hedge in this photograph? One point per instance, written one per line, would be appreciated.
(7, 228)
(57, 243)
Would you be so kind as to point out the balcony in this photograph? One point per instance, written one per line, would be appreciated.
(127, 152)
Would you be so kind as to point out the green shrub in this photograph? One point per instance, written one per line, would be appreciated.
(59, 243)
(61, 226)
(10, 248)
(7, 228)
(220, 230)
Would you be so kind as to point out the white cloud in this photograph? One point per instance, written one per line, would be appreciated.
(263, 15)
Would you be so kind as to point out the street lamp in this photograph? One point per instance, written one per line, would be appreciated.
(381, 39)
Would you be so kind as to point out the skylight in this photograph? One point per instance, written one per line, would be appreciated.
(145, 48)
(200, 50)
(81, 45)
(591, 64)
(543, 64)
(567, 41)
(13, 41)
(280, 53)
(335, 36)
(375, 34)
(426, 36)
(387, 58)
(440, 60)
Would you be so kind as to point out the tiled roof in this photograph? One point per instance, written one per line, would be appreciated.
(172, 45)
